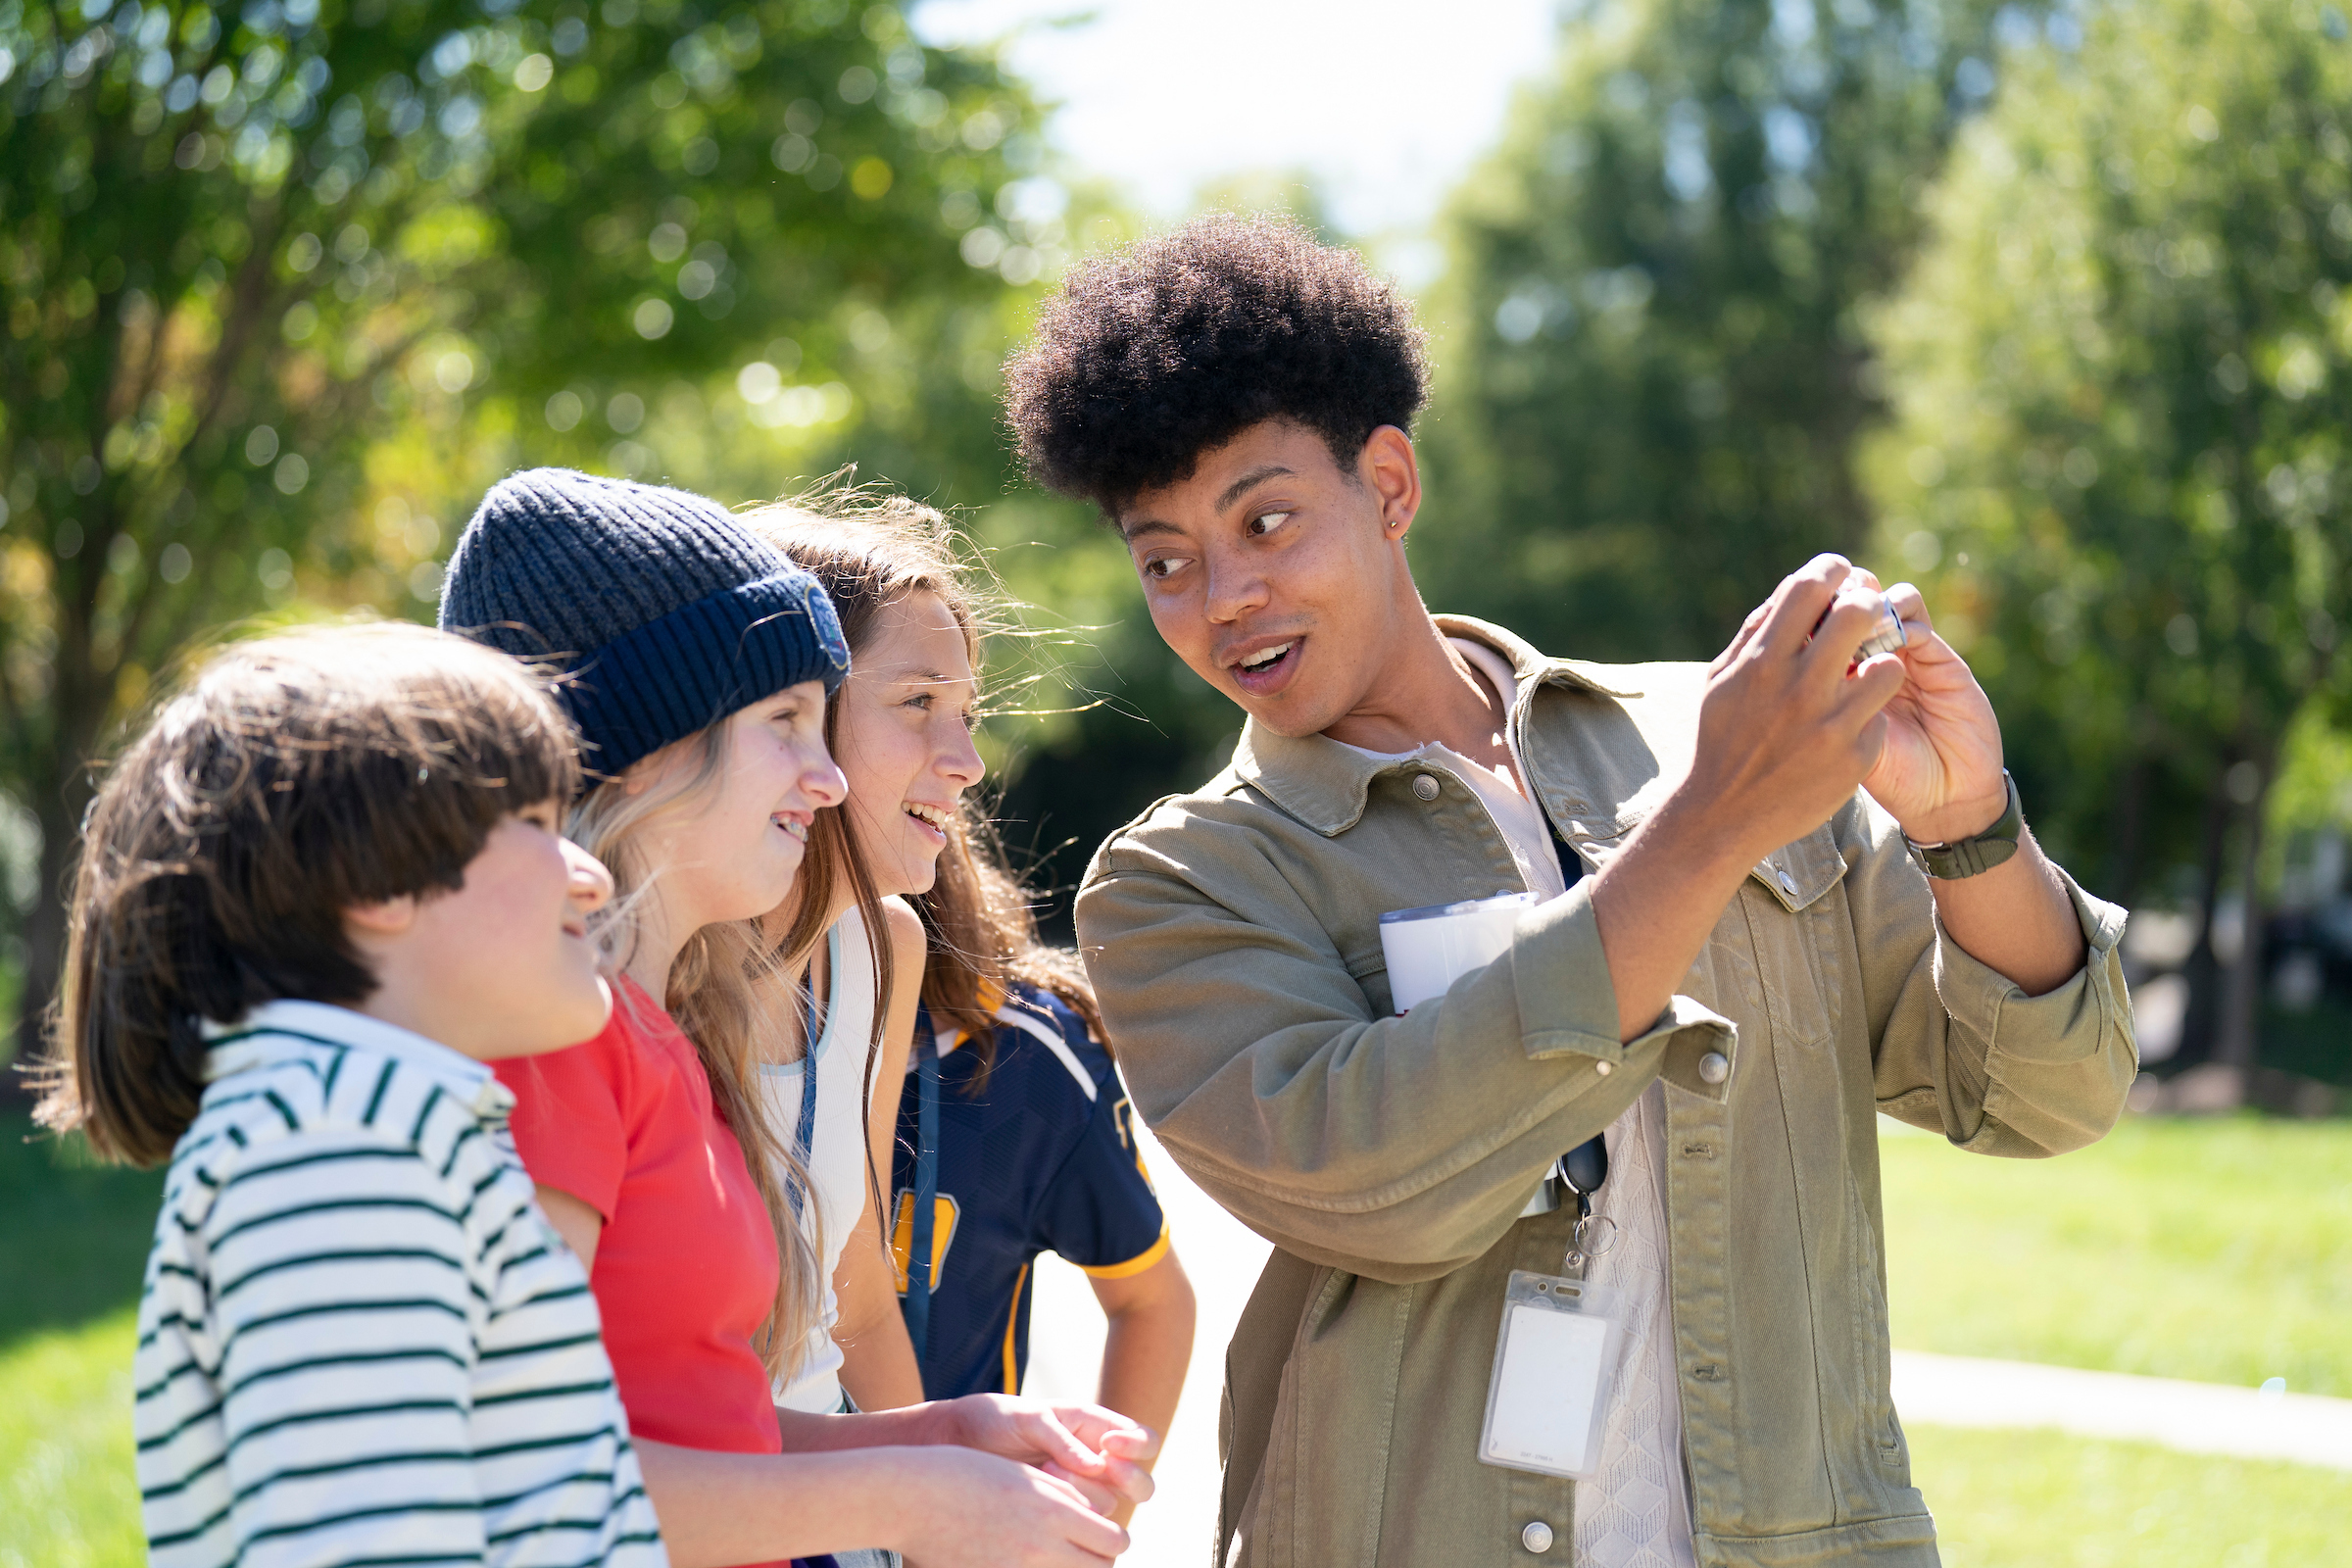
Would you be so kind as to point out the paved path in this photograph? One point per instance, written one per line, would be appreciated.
(1959, 1390)
(1223, 1258)
(1176, 1528)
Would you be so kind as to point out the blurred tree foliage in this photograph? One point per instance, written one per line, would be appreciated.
(2124, 375)
(1116, 720)
(1090, 715)
(284, 285)
(1648, 411)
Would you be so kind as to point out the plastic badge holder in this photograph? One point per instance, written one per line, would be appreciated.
(1428, 949)
(1555, 1366)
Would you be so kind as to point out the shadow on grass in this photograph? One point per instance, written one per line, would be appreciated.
(73, 1234)
(2316, 1042)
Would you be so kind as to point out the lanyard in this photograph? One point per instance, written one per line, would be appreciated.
(926, 1187)
(1585, 1167)
(803, 1144)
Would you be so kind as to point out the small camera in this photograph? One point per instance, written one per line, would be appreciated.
(1887, 637)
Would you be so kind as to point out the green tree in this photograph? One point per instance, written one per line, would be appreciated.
(2124, 374)
(1646, 412)
(282, 284)
(1090, 715)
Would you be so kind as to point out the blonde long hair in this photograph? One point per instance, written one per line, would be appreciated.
(714, 993)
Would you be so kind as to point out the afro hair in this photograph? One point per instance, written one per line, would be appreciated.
(1155, 353)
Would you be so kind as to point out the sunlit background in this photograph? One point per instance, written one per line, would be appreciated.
(1379, 107)
(2038, 304)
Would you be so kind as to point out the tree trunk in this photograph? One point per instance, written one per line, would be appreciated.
(59, 789)
(59, 813)
(2240, 1023)
(2202, 971)
(2130, 809)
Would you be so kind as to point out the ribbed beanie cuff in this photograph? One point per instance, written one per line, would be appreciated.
(746, 643)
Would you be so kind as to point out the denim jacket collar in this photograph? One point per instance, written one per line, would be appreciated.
(1323, 783)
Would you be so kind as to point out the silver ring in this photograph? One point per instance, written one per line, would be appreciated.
(1880, 640)
(1595, 1233)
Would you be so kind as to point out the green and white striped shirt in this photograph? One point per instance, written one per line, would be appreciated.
(360, 1341)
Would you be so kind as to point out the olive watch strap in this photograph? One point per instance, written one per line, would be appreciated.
(1970, 856)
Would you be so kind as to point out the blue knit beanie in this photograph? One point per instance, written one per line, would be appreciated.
(666, 613)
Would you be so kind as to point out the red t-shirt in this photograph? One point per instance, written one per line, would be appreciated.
(686, 1266)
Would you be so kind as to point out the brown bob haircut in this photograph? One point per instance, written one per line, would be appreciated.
(293, 777)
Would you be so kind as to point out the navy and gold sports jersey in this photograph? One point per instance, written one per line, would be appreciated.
(1041, 1158)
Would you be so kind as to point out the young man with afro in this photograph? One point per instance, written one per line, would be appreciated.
(1779, 894)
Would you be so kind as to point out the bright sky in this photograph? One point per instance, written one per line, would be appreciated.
(1385, 102)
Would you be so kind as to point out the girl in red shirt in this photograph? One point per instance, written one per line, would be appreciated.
(699, 665)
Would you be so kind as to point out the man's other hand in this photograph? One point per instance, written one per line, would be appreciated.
(1939, 771)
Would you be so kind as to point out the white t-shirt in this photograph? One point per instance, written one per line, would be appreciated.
(1637, 1514)
(837, 1157)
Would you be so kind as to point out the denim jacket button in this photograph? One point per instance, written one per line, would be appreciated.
(1537, 1537)
(1714, 1067)
(1426, 786)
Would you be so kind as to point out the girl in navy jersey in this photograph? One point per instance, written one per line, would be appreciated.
(1030, 1145)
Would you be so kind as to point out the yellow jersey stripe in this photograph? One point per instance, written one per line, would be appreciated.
(1136, 1264)
(1012, 1323)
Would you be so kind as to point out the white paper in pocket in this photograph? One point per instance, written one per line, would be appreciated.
(1429, 948)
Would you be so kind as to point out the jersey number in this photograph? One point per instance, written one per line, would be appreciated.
(902, 1235)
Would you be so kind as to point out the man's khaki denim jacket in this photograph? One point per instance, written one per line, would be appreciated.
(1233, 937)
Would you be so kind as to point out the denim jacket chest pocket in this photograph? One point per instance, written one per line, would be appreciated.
(1794, 918)
(1456, 852)
(1784, 921)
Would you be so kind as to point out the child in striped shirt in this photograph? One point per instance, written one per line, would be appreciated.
(321, 893)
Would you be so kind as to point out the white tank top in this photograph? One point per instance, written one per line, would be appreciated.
(837, 1156)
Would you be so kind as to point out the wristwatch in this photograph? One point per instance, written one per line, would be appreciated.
(1969, 856)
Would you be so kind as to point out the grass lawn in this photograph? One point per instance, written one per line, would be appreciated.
(73, 1234)
(72, 1244)
(2215, 1251)
(66, 1499)
(2039, 1499)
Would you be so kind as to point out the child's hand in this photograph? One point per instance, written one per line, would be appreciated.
(1099, 1451)
(974, 1510)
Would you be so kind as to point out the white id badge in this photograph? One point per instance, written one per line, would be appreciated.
(1555, 1365)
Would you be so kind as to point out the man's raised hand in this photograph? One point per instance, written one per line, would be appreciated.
(1785, 733)
(1789, 726)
